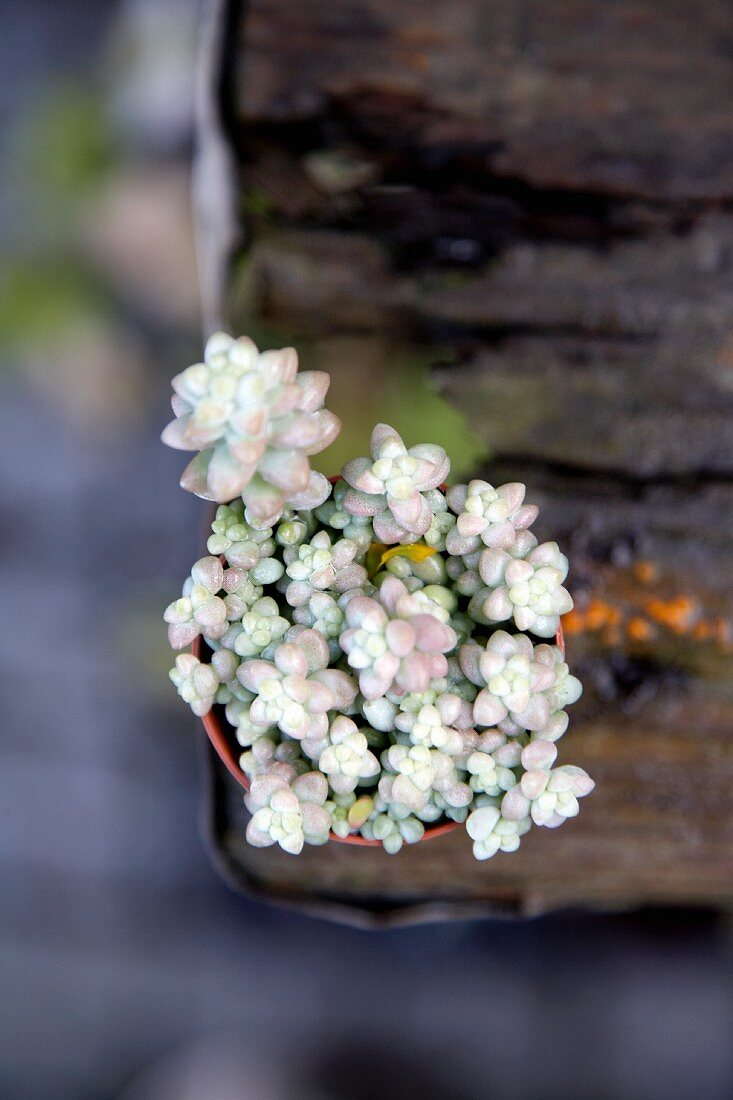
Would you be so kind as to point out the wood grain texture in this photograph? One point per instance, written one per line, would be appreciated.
(535, 198)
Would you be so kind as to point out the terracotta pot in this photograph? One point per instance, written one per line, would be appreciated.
(222, 737)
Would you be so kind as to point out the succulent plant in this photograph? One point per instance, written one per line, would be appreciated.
(529, 589)
(195, 682)
(349, 813)
(231, 536)
(391, 639)
(488, 777)
(428, 728)
(347, 758)
(390, 485)
(487, 515)
(318, 565)
(333, 515)
(514, 680)
(296, 690)
(551, 794)
(411, 784)
(287, 809)
(449, 788)
(262, 626)
(442, 523)
(491, 833)
(392, 830)
(255, 421)
(323, 613)
(200, 610)
(355, 632)
(265, 752)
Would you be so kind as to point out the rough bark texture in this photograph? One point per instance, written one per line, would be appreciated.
(538, 195)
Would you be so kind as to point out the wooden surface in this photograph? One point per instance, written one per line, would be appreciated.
(535, 199)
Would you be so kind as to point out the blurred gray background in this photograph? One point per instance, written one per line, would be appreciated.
(128, 968)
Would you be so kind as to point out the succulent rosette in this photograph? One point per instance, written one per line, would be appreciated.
(381, 648)
(254, 421)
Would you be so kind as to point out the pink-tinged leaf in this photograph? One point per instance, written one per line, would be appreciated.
(251, 674)
(437, 665)
(526, 516)
(512, 494)
(414, 673)
(279, 365)
(469, 525)
(469, 658)
(315, 823)
(539, 755)
(372, 685)
(391, 591)
(492, 564)
(264, 503)
(311, 788)
(352, 576)
(438, 461)
(497, 606)
(534, 782)
(357, 503)
(291, 660)
(542, 678)
(287, 470)
(432, 635)
(423, 472)
(194, 477)
(316, 491)
(407, 512)
(181, 635)
(456, 496)
(226, 476)
(340, 684)
(400, 637)
(499, 535)
(358, 608)
(358, 473)
(581, 783)
(456, 544)
(383, 433)
(388, 530)
(320, 697)
(297, 430)
(536, 715)
(246, 450)
(313, 385)
(515, 805)
(174, 435)
(487, 709)
(314, 647)
(329, 427)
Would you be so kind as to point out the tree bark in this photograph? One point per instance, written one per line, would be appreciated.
(536, 199)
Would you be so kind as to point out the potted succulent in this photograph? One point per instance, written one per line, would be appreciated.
(375, 657)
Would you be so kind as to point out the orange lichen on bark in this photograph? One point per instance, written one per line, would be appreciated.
(679, 614)
(640, 630)
(646, 572)
(638, 616)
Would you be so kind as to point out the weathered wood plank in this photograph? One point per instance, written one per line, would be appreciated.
(534, 199)
(628, 98)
